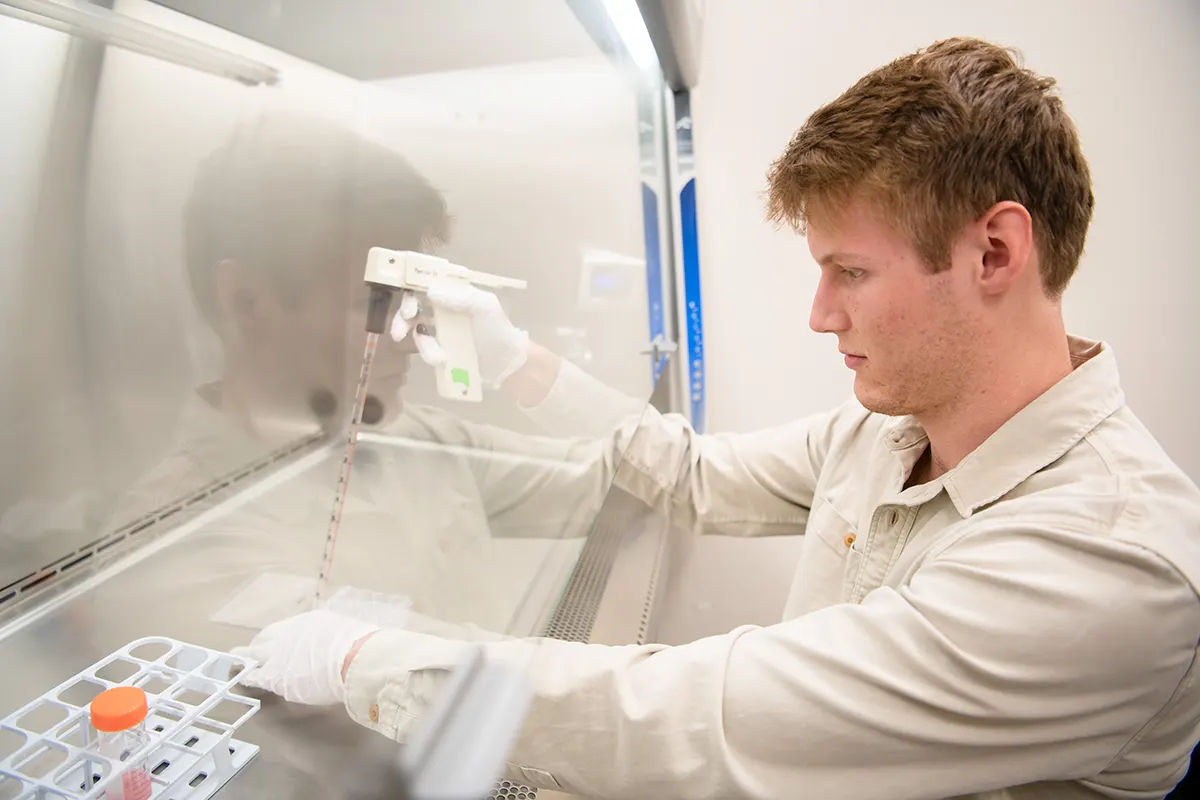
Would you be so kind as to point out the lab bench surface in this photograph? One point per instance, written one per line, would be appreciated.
(306, 752)
(600, 589)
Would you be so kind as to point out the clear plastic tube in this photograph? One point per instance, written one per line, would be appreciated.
(119, 717)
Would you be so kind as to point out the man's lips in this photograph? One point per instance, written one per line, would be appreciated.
(853, 361)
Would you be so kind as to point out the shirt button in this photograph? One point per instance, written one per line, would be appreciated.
(373, 713)
(849, 540)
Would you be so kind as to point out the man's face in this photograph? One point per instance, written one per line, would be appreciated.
(906, 332)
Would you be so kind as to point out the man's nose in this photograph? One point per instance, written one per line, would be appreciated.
(827, 315)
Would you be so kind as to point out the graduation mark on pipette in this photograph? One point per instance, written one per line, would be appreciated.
(343, 484)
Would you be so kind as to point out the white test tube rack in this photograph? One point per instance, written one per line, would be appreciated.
(48, 749)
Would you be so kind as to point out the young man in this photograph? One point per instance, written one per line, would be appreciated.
(997, 593)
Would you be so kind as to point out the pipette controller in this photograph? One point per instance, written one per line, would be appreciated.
(458, 376)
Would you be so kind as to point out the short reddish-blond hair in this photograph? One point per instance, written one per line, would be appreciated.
(933, 140)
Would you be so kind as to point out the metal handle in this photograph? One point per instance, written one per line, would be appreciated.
(660, 345)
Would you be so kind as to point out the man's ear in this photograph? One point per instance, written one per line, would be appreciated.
(1004, 236)
(235, 294)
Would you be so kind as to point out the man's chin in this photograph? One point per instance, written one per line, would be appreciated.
(878, 402)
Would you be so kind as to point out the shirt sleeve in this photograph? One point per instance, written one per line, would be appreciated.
(580, 405)
(1014, 657)
(741, 484)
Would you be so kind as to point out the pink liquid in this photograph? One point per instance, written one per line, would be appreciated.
(136, 785)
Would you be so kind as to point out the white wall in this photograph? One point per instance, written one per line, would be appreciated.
(1128, 74)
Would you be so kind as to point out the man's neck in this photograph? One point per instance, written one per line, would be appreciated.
(1016, 377)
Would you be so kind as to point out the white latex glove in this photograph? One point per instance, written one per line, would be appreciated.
(300, 658)
(502, 346)
(408, 320)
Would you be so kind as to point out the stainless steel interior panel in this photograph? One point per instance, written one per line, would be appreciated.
(183, 312)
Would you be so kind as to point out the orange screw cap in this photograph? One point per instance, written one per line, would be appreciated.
(119, 709)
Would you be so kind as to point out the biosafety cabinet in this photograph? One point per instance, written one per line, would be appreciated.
(190, 191)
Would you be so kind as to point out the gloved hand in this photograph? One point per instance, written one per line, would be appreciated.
(300, 658)
(502, 346)
(407, 321)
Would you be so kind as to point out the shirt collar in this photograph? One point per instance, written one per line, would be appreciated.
(1036, 436)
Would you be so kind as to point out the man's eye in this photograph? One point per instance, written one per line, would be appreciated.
(853, 274)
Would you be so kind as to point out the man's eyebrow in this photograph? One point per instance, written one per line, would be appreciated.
(841, 259)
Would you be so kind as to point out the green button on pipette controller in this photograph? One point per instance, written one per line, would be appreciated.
(459, 375)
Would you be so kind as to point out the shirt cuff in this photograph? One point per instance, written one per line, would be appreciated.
(396, 676)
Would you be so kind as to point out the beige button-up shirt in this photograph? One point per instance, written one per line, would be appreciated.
(1025, 626)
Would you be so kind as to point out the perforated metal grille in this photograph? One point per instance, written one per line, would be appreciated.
(510, 791)
(576, 613)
